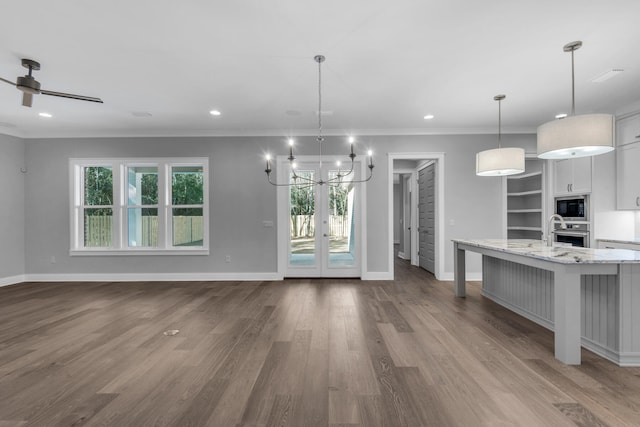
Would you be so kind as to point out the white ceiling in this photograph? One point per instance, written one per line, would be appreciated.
(388, 64)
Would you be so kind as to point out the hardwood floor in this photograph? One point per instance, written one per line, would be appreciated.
(294, 353)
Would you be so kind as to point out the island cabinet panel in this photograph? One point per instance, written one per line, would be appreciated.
(529, 291)
(599, 324)
(524, 289)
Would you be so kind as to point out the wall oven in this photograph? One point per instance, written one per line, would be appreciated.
(574, 234)
(575, 208)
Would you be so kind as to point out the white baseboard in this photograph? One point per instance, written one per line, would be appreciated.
(470, 277)
(13, 280)
(377, 275)
(396, 242)
(154, 277)
(401, 255)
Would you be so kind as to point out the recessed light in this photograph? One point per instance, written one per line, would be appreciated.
(561, 115)
(47, 115)
(215, 112)
(429, 117)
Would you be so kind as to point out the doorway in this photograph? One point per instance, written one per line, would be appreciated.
(321, 223)
(424, 227)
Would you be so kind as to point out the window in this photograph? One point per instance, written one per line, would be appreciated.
(142, 206)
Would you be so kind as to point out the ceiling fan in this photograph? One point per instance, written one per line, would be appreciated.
(30, 86)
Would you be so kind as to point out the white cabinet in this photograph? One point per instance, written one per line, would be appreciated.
(628, 130)
(628, 176)
(572, 176)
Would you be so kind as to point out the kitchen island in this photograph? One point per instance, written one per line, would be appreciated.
(588, 297)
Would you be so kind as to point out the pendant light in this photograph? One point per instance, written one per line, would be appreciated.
(576, 136)
(500, 161)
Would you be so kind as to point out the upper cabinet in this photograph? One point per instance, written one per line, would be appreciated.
(572, 176)
(628, 130)
(627, 162)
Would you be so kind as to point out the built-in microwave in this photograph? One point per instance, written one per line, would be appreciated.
(574, 208)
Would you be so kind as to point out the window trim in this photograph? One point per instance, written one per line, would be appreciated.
(120, 227)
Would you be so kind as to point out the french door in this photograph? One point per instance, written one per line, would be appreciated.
(322, 221)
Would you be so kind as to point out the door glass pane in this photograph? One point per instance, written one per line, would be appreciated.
(341, 224)
(188, 226)
(302, 245)
(98, 227)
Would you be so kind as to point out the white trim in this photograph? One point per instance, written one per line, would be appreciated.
(122, 133)
(396, 242)
(469, 277)
(401, 255)
(138, 251)
(12, 280)
(152, 277)
(439, 157)
(377, 275)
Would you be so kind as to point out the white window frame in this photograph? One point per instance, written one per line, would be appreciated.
(120, 207)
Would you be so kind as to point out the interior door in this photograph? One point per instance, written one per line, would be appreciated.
(426, 217)
(324, 224)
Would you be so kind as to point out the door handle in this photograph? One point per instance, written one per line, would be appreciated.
(637, 201)
(325, 235)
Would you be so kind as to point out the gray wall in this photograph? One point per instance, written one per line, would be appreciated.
(397, 201)
(240, 199)
(12, 225)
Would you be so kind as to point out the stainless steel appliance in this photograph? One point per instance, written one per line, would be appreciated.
(574, 234)
(574, 208)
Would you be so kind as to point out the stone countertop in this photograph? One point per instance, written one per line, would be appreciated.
(629, 241)
(560, 254)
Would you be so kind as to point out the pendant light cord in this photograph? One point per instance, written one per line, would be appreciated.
(573, 86)
(499, 123)
(320, 138)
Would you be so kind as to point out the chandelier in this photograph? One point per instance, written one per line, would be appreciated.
(307, 181)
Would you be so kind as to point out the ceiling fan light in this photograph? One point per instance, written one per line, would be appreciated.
(576, 136)
(500, 162)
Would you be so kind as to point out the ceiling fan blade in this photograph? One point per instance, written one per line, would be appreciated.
(7, 81)
(71, 96)
(27, 99)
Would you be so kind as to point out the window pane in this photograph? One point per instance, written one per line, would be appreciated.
(98, 186)
(98, 227)
(143, 227)
(187, 185)
(143, 185)
(188, 227)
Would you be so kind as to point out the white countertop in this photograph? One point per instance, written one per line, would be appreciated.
(564, 255)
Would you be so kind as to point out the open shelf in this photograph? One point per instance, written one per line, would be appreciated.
(524, 211)
(524, 193)
(517, 227)
(525, 202)
(525, 175)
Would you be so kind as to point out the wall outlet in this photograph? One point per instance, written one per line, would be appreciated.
(227, 258)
